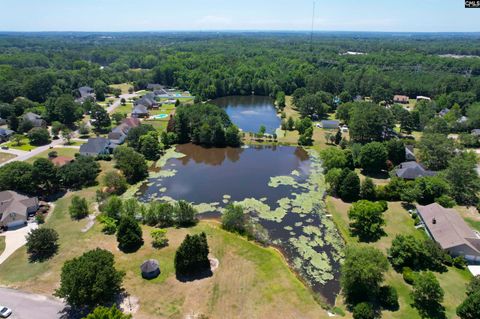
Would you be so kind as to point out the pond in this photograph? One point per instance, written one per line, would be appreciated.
(281, 187)
(251, 112)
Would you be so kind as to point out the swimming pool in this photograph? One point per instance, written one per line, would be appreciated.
(159, 116)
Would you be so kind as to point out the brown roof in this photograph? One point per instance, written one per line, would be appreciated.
(131, 122)
(61, 160)
(402, 98)
(447, 227)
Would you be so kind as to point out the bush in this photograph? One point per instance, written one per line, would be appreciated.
(408, 275)
(115, 182)
(389, 298)
(129, 234)
(42, 243)
(192, 255)
(78, 208)
(446, 201)
(39, 218)
(107, 313)
(460, 262)
(363, 310)
(185, 214)
(103, 157)
(109, 224)
(159, 238)
(233, 219)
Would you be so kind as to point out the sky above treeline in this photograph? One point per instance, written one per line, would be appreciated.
(206, 15)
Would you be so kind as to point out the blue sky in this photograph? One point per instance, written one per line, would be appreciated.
(203, 15)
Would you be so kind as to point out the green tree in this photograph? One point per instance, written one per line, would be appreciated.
(185, 214)
(113, 207)
(56, 128)
(430, 188)
(333, 158)
(396, 151)
(90, 280)
(159, 238)
(131, 163)
(233, 219)
(159, 214)
(107, 313)
(280, 98)
(232, 136)
(366, 220)
(78, 208)
(81, 172)
(39, 136)
(350, 186)
(368, 190)
(45, 176)
(115, 182)
(470, 307)
(290, 123)
(42, 244)
(464, 186)
(436, 150)
(150, 146)
(373, 157)
(129, 234)
(370, 122)
(427, 296)
(306, 138)
(133, 136)
(362, 273)
(100, 118)
(17, 176)
(192, 256)
(101, 89)
(363, 310)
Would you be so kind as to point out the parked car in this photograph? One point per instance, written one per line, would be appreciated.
(5, 312)
(4, 147)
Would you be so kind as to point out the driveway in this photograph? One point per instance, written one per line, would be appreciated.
(29, 306)
(26, 155)
(14, 152)
(15, 239)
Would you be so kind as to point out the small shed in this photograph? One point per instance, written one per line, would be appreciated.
(150, 269)
(330, 124)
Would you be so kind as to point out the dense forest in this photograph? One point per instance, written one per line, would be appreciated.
(45, 66)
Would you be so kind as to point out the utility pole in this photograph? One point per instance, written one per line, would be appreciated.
(313, 23)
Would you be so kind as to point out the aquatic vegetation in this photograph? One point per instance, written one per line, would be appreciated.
(169, 154)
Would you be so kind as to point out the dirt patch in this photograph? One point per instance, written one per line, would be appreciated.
(214, 263)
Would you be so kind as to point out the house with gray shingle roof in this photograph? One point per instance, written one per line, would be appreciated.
(5, 134)
(140, 110)
(450, 231)
(85, 93)
(412, 170)
(96, 146)
(35, 119)
(15, 208)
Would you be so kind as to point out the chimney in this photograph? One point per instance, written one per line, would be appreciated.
(434, 221)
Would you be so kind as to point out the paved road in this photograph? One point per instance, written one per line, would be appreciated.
(30, 306)
(116, 104)
(26, 155)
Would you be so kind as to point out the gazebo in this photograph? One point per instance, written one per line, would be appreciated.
(150, 269)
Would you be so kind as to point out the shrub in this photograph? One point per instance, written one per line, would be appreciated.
(185, 214)
(363, 310)
(192, 255)
(460, 262)
(129, 234)
(39, 218)
(389, 298)
(107, 313)
(159, 238)
(408, 275)
(233, 219)
(78, 208)
(42, 243)
(446, 201)
(109, 224)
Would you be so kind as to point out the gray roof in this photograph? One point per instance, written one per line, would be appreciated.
(5, 132)
(148, 100)
(149, 266)
(85, 91)
(409, 154)
(412, 170)
(330, 123)
(154, 86)
(476, 131)
(447, 227)
(32, 116)
(12, 202)
(140, 109)
(95, 145)
(443, 112)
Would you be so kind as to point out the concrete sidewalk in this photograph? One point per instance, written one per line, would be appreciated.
(14, 239)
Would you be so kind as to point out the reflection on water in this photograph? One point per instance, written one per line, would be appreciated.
(250, 112)
(304, 234)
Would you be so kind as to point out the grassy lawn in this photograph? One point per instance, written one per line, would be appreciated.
(251, 281)
(159, 125)
(398, 221)
(2, 244)
(470, 215)
(61, 151)
(122, 86)
(24, 145)
(5, 157)
(126, 109)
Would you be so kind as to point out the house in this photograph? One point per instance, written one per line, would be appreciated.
(425, 98)
(139, 111)
(443, 112)
(118, 135)
(476, 132)
(60, 161)
(402, 99)
(412, 170)
(96, 146)
(409, 155)
(35, 119)
(86, 93)
(148, 100)
(15, 208)
(450, 231)
(5, 134)
(330, 124)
